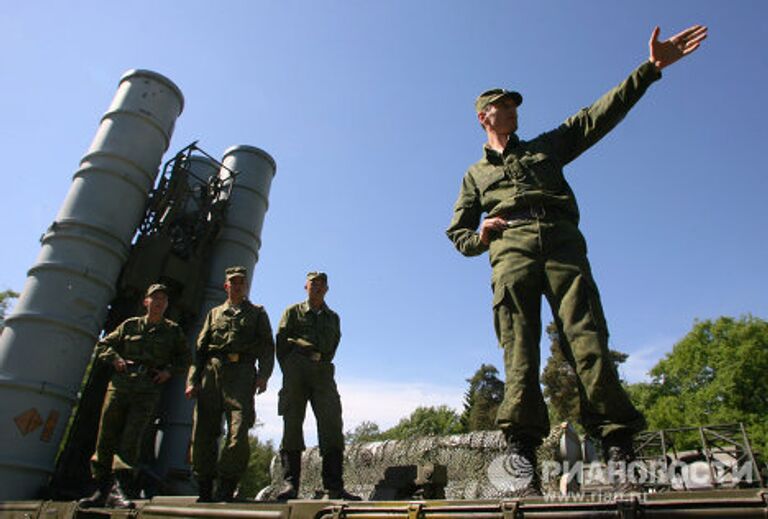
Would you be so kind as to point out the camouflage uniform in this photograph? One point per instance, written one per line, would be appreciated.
(131, 395)
(306, 343)
(543, 252)
(307, 339)
(232, 341)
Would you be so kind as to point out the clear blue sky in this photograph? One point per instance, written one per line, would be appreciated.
(367, 108)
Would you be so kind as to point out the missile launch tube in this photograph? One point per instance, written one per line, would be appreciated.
(238, 244)
(240, 238)
(49, 337)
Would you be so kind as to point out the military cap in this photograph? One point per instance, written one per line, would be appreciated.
(491, 96)
(157, 287)
(232, 272)
(315, 275)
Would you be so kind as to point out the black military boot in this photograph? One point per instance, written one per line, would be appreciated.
(99, 498)
(291, 462)
(205, 491)
(333, 479)
(226, 490)
(619, 453)
(521, 465)
(117, 499)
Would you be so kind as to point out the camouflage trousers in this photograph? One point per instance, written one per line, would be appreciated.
(226, 390)
(124, 420)
(538, 258)
(307, 381)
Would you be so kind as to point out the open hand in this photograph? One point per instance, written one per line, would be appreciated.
(664, 53)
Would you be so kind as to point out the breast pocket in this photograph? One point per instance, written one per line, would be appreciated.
(305, 323)
(244, 327)
(219, 331)
(495, 186)
(490, 180)
(161, 351)
(134, 344)
(543, 172)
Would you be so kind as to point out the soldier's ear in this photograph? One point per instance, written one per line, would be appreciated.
(481, 117)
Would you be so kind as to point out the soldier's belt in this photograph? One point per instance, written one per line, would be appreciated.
(232, 358)
(534, 212)
(314, 356)
(134, 367)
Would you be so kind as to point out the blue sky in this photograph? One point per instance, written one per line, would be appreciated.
(367, 108)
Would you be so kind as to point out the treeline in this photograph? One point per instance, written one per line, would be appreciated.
(715, 375)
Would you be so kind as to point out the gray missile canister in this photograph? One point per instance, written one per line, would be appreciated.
(238, 244)
(49, 337)
(240, 238)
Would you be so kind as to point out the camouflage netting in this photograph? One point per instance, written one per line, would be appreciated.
(474, 461)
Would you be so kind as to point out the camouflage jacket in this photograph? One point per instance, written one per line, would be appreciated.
(146, 348)
(313, 332)
(530, 173)
(244, 330)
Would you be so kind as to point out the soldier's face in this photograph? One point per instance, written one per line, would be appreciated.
(501, 116)
(236, 287)
(156, 303)
(316, 288)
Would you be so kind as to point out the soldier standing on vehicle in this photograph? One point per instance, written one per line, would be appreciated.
(145, 352)
(307, 339)
(531, 231)
(234, 360)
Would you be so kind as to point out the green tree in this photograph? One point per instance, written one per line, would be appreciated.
(482, 399)
(425, 421)
(715, 374)
(366, 431)
(560, 382)
(257, 474)
(5, 300)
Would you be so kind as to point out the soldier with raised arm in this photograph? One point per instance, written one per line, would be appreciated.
(528, 222)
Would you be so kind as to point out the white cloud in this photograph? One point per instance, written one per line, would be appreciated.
(642, 359)
(383, 402)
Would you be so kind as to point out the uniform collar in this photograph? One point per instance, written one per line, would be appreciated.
(306, 308)
(492, 155)
(145, 324)
(241, 306)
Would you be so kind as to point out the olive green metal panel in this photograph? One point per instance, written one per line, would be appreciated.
(20, 509)
(716, 503)
(58, 509)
